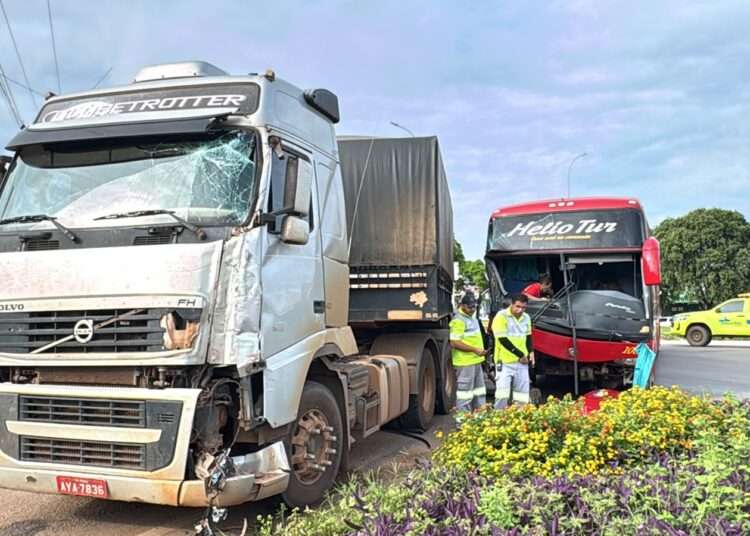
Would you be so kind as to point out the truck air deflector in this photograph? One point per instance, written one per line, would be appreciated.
(126, 130)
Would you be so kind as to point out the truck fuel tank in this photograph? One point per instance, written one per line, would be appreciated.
(389, 377)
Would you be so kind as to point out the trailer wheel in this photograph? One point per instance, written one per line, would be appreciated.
(422, 405)
(446, 391)
(314, 447)
(698, 335)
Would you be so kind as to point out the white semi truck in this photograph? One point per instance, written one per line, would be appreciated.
(206, 299)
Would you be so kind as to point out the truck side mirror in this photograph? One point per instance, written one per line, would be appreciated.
(295, 230)
(291, 187)
(297, 186)
(651, 262)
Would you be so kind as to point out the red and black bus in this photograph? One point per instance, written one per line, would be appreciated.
(605, 270)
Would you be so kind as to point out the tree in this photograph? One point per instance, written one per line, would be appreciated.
(705, 255)
(472, 272)
(458, 252)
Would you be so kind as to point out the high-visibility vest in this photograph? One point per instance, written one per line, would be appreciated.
(466, 329)
(515, 330)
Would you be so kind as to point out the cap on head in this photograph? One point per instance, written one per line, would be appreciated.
(469, 300)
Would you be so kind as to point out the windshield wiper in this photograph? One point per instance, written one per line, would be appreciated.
(200, 233)
(560, 294)
(35, 218)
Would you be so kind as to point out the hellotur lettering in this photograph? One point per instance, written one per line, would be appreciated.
(590, 226)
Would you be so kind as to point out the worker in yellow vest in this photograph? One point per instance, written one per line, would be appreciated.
(467, 354)
(511, 330)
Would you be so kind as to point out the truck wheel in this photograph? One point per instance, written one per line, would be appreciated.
(698, 336)
(446, 391)
(422, 405)
(314, 446)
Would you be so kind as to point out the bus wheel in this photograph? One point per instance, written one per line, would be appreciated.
(422, 405)
(698, 336)
(314, 446)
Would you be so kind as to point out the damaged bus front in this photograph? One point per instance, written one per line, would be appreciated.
(132, 247)
(604, 270)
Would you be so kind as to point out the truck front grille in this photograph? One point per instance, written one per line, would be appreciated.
(102, 454)
(41, 245)
(22, 333)
(91, 411)
(153, 240)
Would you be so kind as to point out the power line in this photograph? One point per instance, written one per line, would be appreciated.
(104, 77)
(9, 100)
(18, 54)
(19, 84)
(54, 48)
(12, 110)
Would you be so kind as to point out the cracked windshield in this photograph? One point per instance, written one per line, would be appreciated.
(207, 182)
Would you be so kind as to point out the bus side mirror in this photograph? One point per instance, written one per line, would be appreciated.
(651, 262)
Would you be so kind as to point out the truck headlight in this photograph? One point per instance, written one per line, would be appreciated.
(179, 332)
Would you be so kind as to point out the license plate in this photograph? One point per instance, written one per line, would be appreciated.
(84, 487)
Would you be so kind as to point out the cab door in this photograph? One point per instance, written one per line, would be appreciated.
(731, 318)
(292, 273)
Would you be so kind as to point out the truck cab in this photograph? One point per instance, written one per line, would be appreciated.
(728, 319)
(175, 310)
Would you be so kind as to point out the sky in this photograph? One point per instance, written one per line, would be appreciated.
(657, 94)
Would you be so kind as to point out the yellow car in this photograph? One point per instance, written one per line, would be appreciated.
(730, 319)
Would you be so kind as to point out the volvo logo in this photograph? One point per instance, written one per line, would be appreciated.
(83, 331)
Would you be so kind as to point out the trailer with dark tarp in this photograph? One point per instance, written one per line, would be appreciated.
(398, 208)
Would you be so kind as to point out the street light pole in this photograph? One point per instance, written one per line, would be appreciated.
(402, 127)
(582, 155)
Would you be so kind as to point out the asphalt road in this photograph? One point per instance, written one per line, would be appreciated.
(723, 366)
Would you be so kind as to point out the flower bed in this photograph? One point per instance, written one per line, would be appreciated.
(664, 462)
(557, 439)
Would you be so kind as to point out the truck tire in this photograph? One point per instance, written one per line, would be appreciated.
(318, 432)
(446, 391)
(698, 335)
(422, 405)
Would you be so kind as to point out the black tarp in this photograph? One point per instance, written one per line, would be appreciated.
(404, 215)
(567, 230)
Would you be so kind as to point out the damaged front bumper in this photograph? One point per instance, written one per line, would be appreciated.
(136, 440)
(259, 475)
